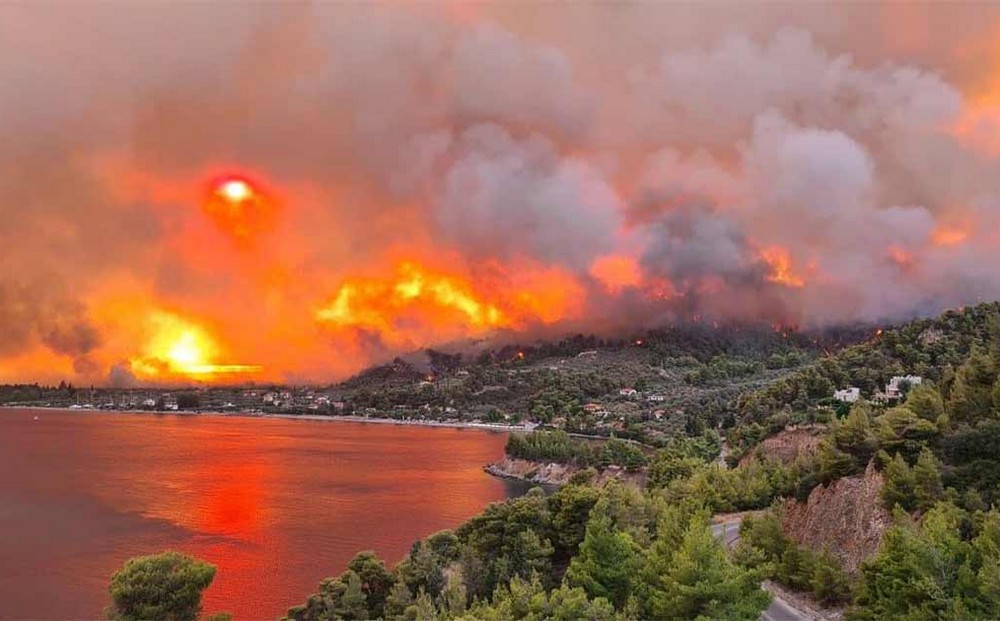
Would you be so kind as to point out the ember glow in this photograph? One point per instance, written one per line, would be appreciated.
(317, 188)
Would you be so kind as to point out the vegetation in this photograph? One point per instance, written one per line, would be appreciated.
(581, 553)
(764, 546)
(163, 586)
(943, 567)
(560, 447)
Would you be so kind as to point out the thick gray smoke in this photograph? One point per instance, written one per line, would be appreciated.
(810, 164)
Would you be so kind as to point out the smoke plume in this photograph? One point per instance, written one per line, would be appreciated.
(415, 175)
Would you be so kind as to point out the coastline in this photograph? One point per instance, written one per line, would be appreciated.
(556, 474)
(310, 417)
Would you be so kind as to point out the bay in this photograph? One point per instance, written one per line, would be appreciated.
(275, 504)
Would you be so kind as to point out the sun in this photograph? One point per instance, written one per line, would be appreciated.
(235, 190)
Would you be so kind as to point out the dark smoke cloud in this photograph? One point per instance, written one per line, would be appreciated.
(40, 312)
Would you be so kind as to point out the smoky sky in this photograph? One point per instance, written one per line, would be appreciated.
(859, 144)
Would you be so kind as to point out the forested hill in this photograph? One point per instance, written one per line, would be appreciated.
(648, 387)
(930, 348)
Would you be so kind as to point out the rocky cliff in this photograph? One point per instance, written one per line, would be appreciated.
(845, 517)
(789, 445)
(550, 473)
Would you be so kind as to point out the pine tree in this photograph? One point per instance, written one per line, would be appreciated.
(422, 609)
(452, 600)
(971, 395)
(928, 488)
(398, 601)
(926, 401)
(900, 484)
(699, 582)
(608, 560)
(987, 545)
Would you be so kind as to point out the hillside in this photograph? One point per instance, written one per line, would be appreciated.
(650, 387)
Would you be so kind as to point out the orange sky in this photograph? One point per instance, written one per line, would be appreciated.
(313, 189)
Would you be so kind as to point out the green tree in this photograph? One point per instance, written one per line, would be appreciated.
(162, 586)
(901, 430)
(830, 584)
(926, 401)
(693, 578)
(608, 560)
(376, 581)
(987, 546)
(397, 602)
(971, 394)
(856, 434)
(928, 488)
(923, 572)
(900, 485)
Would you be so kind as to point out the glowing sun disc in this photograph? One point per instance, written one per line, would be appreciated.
(235, 190)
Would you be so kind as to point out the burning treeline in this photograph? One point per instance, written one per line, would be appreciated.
(294, 192)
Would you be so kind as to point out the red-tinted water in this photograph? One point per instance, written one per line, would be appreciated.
(276, 505)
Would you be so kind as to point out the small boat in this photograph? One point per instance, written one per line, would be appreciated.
(36, 418)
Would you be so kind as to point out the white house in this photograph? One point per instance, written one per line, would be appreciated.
(628, 392)
(848, 395)
(657, 398)
(894, 389)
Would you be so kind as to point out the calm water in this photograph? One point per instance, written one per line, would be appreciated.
(275, 504)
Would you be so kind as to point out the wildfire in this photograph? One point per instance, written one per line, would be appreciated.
(179, 347)
(616, 272)
(901, 257)
(779, 261)
(949, 235)
(376, 304)
(416, 304)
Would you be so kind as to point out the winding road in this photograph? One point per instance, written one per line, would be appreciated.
(779, 610)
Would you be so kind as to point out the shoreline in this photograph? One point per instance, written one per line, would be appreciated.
(308, 417)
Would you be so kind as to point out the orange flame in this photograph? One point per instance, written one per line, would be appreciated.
(362, 303)
(616, 272)
(416, 304)
(779, 261)
(901, 257)
(181, 348)
(945, 235)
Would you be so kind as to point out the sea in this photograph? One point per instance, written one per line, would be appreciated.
(275, 504)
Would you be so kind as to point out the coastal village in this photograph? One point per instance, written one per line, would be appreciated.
(637, 389)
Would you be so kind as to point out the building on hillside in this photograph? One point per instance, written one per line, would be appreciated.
(628, 392)
(898, 385)
(848, 395)
(590, 353)
(656, 398)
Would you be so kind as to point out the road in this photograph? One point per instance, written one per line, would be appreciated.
(779, 610)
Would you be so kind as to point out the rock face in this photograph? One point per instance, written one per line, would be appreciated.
(550, 473)
(790, 444)
(846, 518)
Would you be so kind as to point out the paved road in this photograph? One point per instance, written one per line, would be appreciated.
(779, 610)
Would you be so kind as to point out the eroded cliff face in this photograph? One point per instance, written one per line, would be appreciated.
(845, 517)
(549, 473)
(789, 445)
